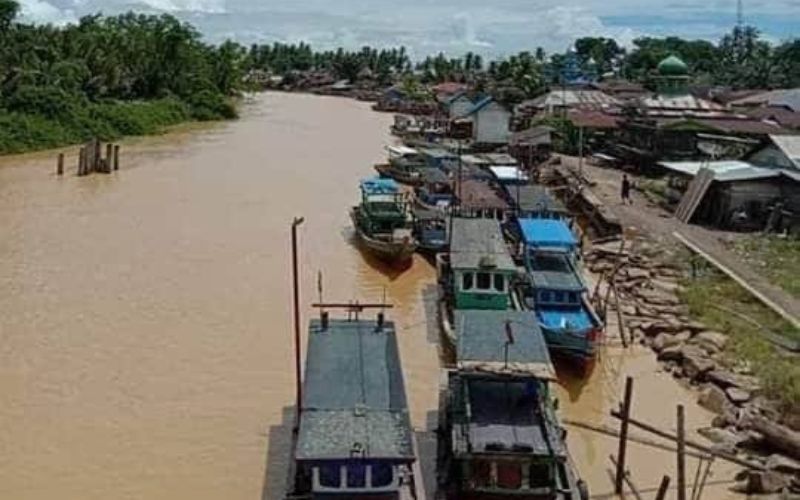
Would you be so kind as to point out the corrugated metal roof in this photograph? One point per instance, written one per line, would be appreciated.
(431, 175)
(353, 393)
(508, 174)
(724, 171)
(680, 102)
(535, 199)
(790, 145)
(478, 194)
(482, 337)
(573, 98)
(789, 98)
(499, 158)
(478, 243)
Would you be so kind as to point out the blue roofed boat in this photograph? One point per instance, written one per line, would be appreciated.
(383, 222)
(556, 292)
(355, 438)
(499, 434)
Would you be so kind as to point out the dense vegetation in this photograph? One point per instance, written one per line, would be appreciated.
(106, 77)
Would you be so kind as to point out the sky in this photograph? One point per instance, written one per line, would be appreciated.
(488, 27)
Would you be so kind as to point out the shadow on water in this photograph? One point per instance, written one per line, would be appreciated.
(571, 377)
(279, 446)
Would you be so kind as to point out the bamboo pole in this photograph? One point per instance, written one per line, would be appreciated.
(623, 436)
(662, 488)
(681, 455)
(628, 480)
(633, 439)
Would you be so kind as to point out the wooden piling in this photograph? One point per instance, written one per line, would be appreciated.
(82, 162)
(109, 157)
(60, 164)
(116, 157)
(98, 156)
(623, 436)
(628, 480)
(681, 455)
(662, 489)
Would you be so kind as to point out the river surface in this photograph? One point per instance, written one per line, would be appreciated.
(145, 328)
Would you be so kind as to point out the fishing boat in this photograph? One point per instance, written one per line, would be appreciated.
(499, 435)
(534, 201)
(435, 191)
(403, 166)
(382, 221)
(477, 272)
(430, 231)
(354, 438)
(556, 292)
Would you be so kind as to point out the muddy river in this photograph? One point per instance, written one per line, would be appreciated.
(145, 316)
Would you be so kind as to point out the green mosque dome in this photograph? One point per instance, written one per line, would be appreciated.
(673, 66)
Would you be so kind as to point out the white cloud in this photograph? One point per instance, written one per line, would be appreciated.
(40, 11)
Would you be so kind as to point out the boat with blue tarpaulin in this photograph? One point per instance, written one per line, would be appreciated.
(383, 222)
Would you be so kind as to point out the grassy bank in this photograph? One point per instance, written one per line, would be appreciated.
(74, 122)
(723, 305)
(777, 258)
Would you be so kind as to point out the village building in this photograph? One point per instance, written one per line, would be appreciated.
(761, 191)
(457, 105)
(490, 122)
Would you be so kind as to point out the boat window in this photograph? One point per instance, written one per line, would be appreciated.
(499, 282)
(544, 296)
(467, 284)
(357, 475)
(541, 475)
(330, 476)
(509, 475)
(573, 298)
(484, 281)
(382, 475)
(482, 473)
(559, 297)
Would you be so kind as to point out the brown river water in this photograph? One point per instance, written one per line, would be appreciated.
(145, 316)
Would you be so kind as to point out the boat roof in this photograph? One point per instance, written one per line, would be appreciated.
(377, 185)
(494, 414)
(482, 337)
(426, 214)
(438, 153)
(479, 243)
(553, 271)
(401, 150)
(549, 233)
(499, 158)
(431, 175)
(535, 198)
(481, 195)
(508, 173)
(354, 394)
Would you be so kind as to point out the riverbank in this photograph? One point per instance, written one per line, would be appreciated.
(27, 132)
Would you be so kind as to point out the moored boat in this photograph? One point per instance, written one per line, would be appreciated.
(403, 166)
(430, 230)
(499, 436)
(354, 438)
(382, 221)
(556, 292)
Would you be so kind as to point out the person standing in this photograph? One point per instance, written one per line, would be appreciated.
(626, 190)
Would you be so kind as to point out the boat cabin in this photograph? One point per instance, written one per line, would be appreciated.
(499, 435)
(404, 153)
(439, 158)
(478, 198)
(383, 205)
(535, 202)
(436, 190)
(355, 436)
(481, 266)
(430, 229)
(549, 249)
(509, 175)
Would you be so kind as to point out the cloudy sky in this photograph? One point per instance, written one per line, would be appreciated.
(491, 27)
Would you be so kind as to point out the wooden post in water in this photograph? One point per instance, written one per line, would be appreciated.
(98, 156)
(60, 164)
(662, 489)
(296, 292)
(116, 157)
(623, 436)
(109, 157)
(681, 455)
(81, 162)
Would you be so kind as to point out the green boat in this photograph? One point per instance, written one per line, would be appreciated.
(382, 221)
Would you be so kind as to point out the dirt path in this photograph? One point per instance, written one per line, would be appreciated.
(643, 216)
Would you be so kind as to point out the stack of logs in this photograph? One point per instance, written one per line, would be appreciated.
(651, 311)
(91, 159)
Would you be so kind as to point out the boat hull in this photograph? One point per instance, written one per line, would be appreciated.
(406, 178)
(390, 252)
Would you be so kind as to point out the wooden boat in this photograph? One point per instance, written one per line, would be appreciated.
(430, 230)
(499, 435)
(435, 190)
(354, 438)
(535, 202)
(555, 291)
(382, 221)
(403, 165)
(477, 273)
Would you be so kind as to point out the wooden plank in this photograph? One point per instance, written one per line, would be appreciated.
(760, 296)
(694, 195)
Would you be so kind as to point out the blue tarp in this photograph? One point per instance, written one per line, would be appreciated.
(570, 319)
(547, 233)
(377, 185)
